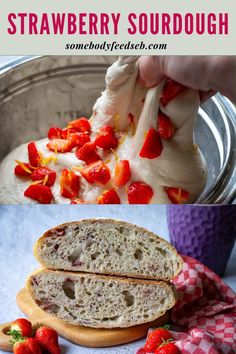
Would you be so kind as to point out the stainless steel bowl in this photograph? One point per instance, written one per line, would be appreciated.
(38, 92)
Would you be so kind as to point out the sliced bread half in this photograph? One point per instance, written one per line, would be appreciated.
(106, 246)
(99, 301)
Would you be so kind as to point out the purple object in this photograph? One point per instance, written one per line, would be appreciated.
(206, 233)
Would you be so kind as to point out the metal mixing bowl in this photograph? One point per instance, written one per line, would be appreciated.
(38, 92)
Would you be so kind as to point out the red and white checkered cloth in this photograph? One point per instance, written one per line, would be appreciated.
(206, 311)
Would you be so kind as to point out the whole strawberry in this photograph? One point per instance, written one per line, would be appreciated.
(168, 348)
(28, 346)
(22, 326)
(48, 339)
(155, 339)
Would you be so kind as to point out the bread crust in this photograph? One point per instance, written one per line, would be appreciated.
(116, 222)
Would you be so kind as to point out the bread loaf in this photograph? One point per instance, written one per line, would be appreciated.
(99, 301)
(106, 246)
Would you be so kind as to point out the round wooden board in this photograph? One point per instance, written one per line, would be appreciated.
(85, 336)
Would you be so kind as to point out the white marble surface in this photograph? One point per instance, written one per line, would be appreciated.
(20, 227)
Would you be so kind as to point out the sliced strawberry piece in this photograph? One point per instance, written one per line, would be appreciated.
(60, 145)
(79, 139)
(40, 174)
(77, 201)
(65, 134)
(23, 326)
(96, 172)
(33, 155)
(176, 195)
(23, 169)
(152, 146)
(54, 133)
(70, 184)
(40, 193)
(165, 129)
(81, 125)
(106, 138)
(170, 91)
(122, 173)
(87, 153)
(109, 197)
(139, 193)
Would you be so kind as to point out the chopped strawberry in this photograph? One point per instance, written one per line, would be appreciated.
(23, 326)
(70, 184)
(152, 146)
(106, 138)
(48, 340)
(65, 134)
(139, 193)
(79, 139)
(156, 338)
(87, 153)
(54, 133)
(60, 145)
(81, 125)
(122, 173)
(23, 169)
(109, 197)
(170, 91)
(168, 348)
(96, 172)
(41, 172)
(40, 193)
(176, 195)
(77, 201)
(27, 346)
(165, 127)
(33, 155)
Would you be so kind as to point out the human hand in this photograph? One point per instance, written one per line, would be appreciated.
(208, 74)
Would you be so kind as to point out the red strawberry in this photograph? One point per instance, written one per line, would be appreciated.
(96, 172)
(40, 193)
(156, 338)
(152, 146)
(87, 153)
(165, 127)
(106, 138)
(22, 326)
(109, 197)
(54, 133)
(70, 184)
(23, 169)
(168, 348)
(170, 91)
(122, 173)
(176, 195)
(77, 201)
(33, 155)
(141, 351)
(48, 340)
(79, 139)
(139, 193)
(80, 125)
(41, 172)
(29, 346)
(66, 133)
(60, 145)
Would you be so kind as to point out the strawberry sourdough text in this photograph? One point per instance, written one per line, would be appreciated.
(111, 23)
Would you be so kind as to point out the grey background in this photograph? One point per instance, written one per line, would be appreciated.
(21, 225)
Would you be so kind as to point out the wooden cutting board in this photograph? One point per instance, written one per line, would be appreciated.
(85, 336)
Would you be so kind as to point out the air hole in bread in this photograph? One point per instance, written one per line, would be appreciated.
(118, 251)
(121, 229)
(161, 251)
(114, 318)
(82, 280)
(95, 255)
(55, 308)
(42, 292)
(138, 254)
(74, 256)
(49, 244)
(129, 298)
(68, 287)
